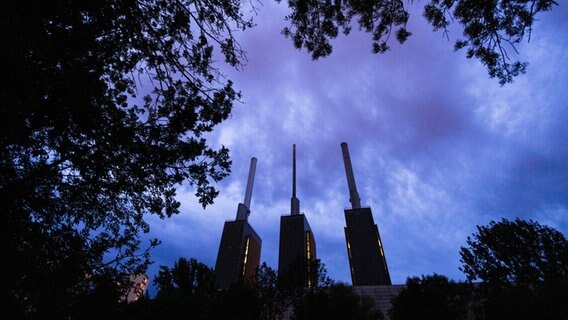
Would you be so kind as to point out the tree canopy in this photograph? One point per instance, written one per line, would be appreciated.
(431, 297)
(491, 29)
(105, 107)
(519, 252)
(188, 276)
(187, 291)
(520, 269)
(336, 302)
(515, 270)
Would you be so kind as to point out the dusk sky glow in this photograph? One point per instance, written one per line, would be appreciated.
(437, 146)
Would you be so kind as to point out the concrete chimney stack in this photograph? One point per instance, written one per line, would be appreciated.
(243, 210)
(353, 194)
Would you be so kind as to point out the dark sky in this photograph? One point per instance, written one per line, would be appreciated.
(437, 147)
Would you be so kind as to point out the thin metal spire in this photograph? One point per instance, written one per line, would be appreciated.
(353, 194)
(294, 202)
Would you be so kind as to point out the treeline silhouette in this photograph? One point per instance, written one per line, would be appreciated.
(515, 270)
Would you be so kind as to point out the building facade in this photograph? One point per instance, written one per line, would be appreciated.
(297, 247)
(137, 284)
(239, 254)
(239, 250)
(297, 250)
(367, 261)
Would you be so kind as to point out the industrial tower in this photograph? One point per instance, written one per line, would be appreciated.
(297, 252)
(367, 260)
(239, 251)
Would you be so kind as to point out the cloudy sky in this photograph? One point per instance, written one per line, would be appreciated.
(437, 147)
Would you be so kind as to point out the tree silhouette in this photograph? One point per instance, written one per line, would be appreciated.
(431, 297)
(522, 269)
(187, 276)
(336, 302)
(491, 29)
(186, 290)
(105, 107)
(272, 301)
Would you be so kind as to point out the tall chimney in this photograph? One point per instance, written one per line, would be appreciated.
(353, 194)
(294, 202)
(243, 210)
(250, 182)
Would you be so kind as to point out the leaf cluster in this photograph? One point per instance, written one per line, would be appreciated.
(314, 23)
(492, 29)
(187, 276)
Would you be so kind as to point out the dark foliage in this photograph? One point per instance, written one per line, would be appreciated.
(302, 278)
(336, 302)
(314, 22)
(431, 297)
(105, 106)
(304, 273)
(515, 270)
(491, 29)
(522, 267)
(272, 301)
(184, 294)
(239, 302)
(188, 291)
(186, 276)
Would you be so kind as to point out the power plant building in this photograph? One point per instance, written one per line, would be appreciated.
(367, 260)
(137, 284)
(239, 251)
(297, 249)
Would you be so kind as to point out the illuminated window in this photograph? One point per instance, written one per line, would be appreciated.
(380, 245)
(308, 253)
(348, 247)
(309, 257)
(350, 257)
(246, 256)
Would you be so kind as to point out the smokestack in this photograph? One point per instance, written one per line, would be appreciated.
(353, 194)
(294, 202)
(250, 182)
(243, 210)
